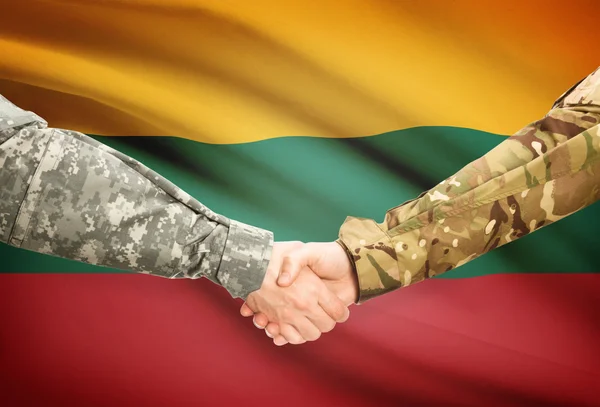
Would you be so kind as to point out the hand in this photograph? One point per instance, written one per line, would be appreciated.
(303, 310)
(328, 261)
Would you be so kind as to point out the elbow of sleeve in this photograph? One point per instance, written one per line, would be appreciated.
(245, 259)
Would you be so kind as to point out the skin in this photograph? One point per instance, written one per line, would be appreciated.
(302, 308)
(327, 262)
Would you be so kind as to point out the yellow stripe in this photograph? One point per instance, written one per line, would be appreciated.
(240, 71)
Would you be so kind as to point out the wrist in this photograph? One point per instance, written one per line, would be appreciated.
(350, 293)
(245, 259)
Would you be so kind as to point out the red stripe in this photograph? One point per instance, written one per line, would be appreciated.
(123, 340)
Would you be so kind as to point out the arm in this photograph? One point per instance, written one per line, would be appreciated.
(68, 195)
(543, 173)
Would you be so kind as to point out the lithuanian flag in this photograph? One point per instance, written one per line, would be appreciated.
(291, 115)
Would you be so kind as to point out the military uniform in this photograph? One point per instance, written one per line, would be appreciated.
(546, 171)
(65, 194)
(68, 195)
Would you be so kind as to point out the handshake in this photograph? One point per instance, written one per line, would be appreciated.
(306, 290)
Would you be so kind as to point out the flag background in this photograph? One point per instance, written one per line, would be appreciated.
(292, 116)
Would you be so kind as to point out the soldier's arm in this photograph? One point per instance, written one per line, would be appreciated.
(65, 194)
(543, 173)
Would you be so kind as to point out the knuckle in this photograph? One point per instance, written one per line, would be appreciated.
(287, 265)
(285, 314)
(301, 303)
(339, 311)
(251, 301)
(287, 261)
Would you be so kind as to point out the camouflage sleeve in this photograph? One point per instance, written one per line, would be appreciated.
(543, 173)
(66, 194)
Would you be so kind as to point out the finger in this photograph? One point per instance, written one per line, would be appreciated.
(307, 329)
(246, 311)
(291, 334)
(322, 321)
(280, 341)
(260, 320)
(291, 266)
(333, 306)
(272, 330)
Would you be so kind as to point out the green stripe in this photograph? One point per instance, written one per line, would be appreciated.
(303, 188)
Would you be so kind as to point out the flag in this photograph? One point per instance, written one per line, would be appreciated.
(291, 116)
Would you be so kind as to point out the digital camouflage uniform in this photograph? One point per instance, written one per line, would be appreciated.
(545, 172)
(65, 194)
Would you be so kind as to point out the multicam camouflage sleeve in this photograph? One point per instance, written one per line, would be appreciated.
(545, 172)
(65, 194)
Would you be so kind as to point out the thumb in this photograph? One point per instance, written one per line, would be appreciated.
(291, 266)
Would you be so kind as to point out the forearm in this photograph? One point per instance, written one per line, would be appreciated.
(68, 195)
(543, 173)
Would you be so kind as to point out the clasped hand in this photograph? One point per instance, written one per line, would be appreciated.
(307, 290)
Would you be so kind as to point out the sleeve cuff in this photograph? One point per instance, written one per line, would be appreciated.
(373, 255)
(245, 259)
